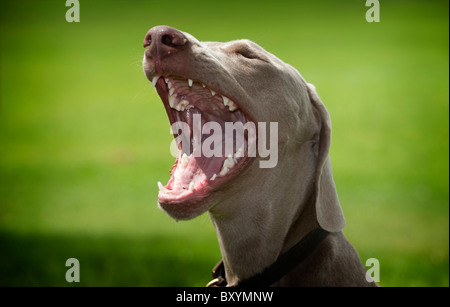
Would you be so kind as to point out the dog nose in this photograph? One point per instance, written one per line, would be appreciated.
(163, 41)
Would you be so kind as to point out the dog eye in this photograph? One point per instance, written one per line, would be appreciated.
(246, 53)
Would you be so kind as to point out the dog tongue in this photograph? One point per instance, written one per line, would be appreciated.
(192, 165)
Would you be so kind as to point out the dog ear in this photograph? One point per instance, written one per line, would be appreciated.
(328, 210)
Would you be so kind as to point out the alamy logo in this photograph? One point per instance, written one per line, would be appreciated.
(73, 274)
(373, 13)
(73, 13)
(230, 140)
(373, 272)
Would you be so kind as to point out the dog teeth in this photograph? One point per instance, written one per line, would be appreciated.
(155, 79)
(191, 186)
(185, 160)
(232, 106)
(239, 153)
(213, 177)
(229, 103)
(224, 171)
(172, 101)
(179, 105)
(229, 162)
(162, 188)
(167, 81)
(182, 105)
(226, 100)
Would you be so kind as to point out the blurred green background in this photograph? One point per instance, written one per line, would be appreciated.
(84, 137)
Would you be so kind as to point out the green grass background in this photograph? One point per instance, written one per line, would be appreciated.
(84, 138)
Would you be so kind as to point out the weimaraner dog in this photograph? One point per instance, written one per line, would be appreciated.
(279, 223)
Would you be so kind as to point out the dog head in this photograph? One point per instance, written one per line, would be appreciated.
(207, 87)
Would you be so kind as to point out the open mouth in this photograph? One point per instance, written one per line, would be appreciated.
(212, 153)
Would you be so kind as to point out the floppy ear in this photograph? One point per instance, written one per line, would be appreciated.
(328, 210)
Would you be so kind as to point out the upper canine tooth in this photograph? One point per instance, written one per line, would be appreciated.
(171, 91)
(212, 92)
(226, 100)
(191, 186)
(155, 79)
(190, 82)
(203, 84)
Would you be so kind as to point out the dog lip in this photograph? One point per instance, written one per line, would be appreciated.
(203, 191)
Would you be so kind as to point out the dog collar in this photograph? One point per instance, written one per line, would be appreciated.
(279, 268)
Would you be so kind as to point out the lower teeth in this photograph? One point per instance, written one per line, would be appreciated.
(224, 171)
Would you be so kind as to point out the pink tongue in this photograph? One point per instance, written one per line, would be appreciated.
(197, 171)
(209, 166)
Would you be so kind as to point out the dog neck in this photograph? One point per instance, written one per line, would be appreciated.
(260, 222)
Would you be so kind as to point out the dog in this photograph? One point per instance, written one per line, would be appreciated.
(278, 225)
